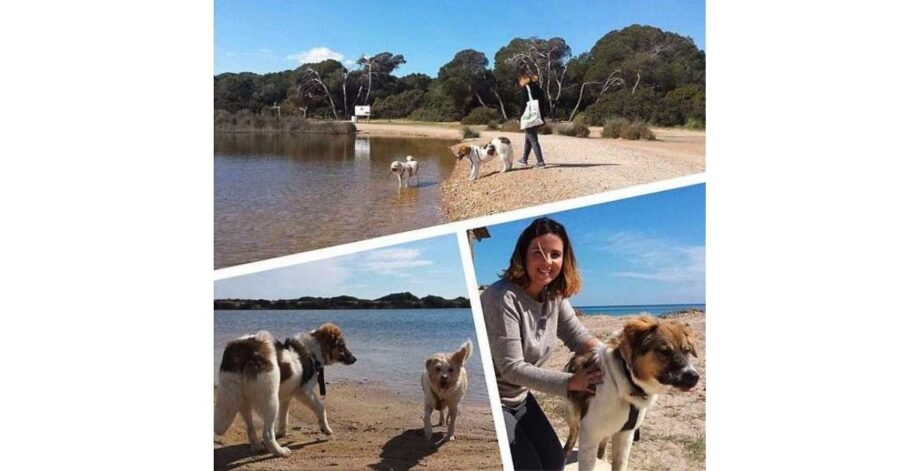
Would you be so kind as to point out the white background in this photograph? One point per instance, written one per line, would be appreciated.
(107, 235)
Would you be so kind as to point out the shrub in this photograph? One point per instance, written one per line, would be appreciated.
(493, 124)
(547, 128)
(642, 104)
(510, 126)
(575, 128)
(694, 123)
(613, 127)
(431, 114)
(481, 115)
(398, 106)
(637, 130)
(468, 132)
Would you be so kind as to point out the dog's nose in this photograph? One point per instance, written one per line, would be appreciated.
(351, 360)
(689, 378)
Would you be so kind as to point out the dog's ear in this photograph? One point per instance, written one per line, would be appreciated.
(429, 362)
(689, 337)
(460, 356)
(638, 332)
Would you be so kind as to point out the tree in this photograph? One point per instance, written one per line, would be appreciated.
(547, 59)
(376, 66)
(465, 80)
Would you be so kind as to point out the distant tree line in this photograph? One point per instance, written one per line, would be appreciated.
(639, 72)
(391, 301)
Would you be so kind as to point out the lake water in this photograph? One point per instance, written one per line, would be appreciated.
(652, 309)
(390, 345)
(280, 194)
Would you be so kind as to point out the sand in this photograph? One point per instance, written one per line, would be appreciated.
(576, 166)
(673, 435)
(373, 429)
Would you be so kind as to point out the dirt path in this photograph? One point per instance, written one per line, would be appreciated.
(673, 436)
(575, 167)
(373, 429)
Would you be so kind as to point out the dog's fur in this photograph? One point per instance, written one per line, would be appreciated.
(656, 356)
(498, 146)
(410, 168)
(444, 383)
(261, 374)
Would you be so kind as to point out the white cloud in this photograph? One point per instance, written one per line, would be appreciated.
(393, 261)
(656, 259)
(316, 54)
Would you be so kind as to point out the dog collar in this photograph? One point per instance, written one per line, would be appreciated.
(636, 390)
(320, 376)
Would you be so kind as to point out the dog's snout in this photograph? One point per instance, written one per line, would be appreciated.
(688, 378)
(349, 359)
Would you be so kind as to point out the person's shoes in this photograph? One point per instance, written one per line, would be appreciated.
(540, 165)
(522, 162)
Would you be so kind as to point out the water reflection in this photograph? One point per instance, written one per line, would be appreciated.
(281, 194)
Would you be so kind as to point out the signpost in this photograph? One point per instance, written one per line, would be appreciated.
(363, 111)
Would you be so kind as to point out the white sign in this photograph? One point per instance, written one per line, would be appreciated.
(363, 110)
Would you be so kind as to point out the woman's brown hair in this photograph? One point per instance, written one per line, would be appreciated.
(568, 282)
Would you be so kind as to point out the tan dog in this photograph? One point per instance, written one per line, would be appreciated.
(260, 374)
(444, 383)
(646, 357)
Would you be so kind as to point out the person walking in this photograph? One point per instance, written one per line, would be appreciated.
(531, 91)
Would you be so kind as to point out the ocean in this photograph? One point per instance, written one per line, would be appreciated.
(652, 309)
(390, 345)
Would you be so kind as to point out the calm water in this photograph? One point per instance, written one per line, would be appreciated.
(280, 194)
(652, 309)
(390, 345)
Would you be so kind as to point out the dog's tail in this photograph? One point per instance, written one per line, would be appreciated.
(577, 404)
(463, 353)
(227, 398)
(410, 158)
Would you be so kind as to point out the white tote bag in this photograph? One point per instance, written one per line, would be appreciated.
(532, 115)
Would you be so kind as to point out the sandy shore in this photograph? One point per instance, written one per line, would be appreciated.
(373, 429)
(576, 166)
(673, 436)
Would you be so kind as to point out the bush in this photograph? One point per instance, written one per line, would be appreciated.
(468, 132)
(642, 104)
(246, 121)
(510, 126)
(482, 115)
(431, 114)
(694, 123)
(575, 128)
(398, 106)
(547, 128)
(493, 125)
(638, 130)
(613, 127)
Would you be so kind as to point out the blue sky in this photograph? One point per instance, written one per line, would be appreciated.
(645, 250)
(431, 266)
(271, 36)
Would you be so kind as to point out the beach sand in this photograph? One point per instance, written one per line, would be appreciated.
(673, 435)
(374, 428)
(575, 166)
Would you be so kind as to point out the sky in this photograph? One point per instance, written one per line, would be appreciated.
(430, 266)
(645, 250)
(272, 36)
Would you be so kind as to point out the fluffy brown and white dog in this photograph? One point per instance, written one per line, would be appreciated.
(444, 383)
(259, 374)
(647, 357)
(410, 169)
(498, 146)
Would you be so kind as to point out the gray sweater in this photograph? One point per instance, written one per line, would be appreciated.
(522, 333)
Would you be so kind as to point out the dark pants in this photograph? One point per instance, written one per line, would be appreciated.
(531, 140)
(532, 440)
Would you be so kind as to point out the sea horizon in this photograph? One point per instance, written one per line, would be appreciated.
(632, 309)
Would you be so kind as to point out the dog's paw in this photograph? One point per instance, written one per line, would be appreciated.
(326, 430)
(281, 451)
(447, 438)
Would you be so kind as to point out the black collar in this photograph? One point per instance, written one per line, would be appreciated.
(636, 390)
(321, 376)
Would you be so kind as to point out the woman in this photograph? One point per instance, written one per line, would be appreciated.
(525, 311)
(526, 81)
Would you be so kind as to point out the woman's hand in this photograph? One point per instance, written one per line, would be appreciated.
(584, 380)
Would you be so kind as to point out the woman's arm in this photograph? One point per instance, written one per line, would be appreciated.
(572, 332)
(503, 321)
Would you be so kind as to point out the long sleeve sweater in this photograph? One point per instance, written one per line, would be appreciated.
(522, 333)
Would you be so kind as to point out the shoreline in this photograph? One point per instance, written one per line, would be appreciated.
(373, 429)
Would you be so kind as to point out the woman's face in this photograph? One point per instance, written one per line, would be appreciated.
(543, 260)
